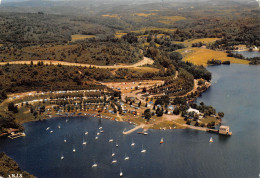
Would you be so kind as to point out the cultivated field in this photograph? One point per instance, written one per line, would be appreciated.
(171, 19)
(200, 56)
(188, 43)
(144, 15)
(81, 37)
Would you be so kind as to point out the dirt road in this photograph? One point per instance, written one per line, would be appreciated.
(143, 62)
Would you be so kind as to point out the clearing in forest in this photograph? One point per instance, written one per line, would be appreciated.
(81, 37)
(200, 56)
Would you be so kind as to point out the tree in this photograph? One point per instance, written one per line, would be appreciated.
(221, 114)
(12, 107)
(147, 114)
(159, 112)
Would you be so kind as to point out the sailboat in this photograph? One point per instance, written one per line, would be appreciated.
(65, 140)
(86, 133)
(121, 173)
(100, 128)
(95, 164)
(98, 133)
(62, 157)
(111, 140)
(47, 128)
(143, 150)
(113, 154)
(59, 126)
(114, 161)
(211, 140)
(84, 142)
(117, 144)
(101, 131)
(67, 120)
(133, 143)
(126, 157)
(74, 149)
(51, 131)
(161, 142)
(96, 137)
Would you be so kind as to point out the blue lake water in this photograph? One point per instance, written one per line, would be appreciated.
(248, 54)
(185, 153)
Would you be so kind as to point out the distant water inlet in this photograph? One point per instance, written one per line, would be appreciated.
(248, 54)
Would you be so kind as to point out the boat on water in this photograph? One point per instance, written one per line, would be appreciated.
(67, 120)
(133, 143)
(211, 140)
(59, 126)
(98, 133)
(84, 142)
(95, 164)
(126, 157)
(117, 144)
(100, 128)
(161, 142)
(47, 128)
(111, 140)
(74, 149)
(51, 131)
(113, 153)
(65, 140)
(121, 173)
(143, 150)
(86, 133)
(96, 137)
(101, 131)
(62, 157)
(145, 133)
(114, 161)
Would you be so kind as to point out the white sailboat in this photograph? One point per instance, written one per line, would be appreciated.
(51, 131)
(101, 131)
(95, 164)
(59, 126)
(62, 157)
(65, 140)
(133, 143)
(74, 149)
(67, 120)
(126, 157)
(98, 133)
(111, 140)
(143, 150)
(117, 144)
(86, 133)
(96, 137)
(114, 161)
(121, 173)
(84, 142)
(100, 128)
(47, 128)
(211, 140)
(113, 153)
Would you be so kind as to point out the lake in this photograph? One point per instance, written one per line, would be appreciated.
(248, 54)
(185, 153)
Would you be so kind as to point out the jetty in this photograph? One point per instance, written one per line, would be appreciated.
(133, 129)
(16, 135)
